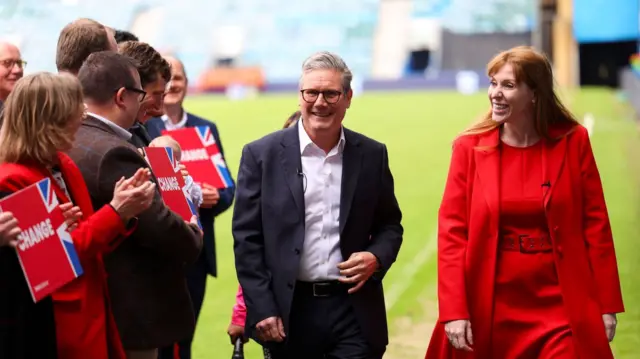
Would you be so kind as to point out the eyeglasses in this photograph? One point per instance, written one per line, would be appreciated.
(8, 63)
(311, 96)
(140, 92)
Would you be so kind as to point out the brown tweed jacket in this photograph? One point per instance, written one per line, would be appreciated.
(146, 273)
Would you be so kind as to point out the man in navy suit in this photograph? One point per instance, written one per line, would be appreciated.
(214, 201)
(316, 227)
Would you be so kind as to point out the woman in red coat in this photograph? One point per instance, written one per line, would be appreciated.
(41, 117)
(526, 262)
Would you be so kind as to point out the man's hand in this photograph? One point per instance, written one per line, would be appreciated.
(610, 324)
(210, 196)
(236, 331)
(9, 230)
(459, 334)
(271, 330)
(71, 215)
(358, 269)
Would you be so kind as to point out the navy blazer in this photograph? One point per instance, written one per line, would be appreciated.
(155, 126)
(268, 225)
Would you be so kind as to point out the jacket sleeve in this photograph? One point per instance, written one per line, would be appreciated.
(597, 232)
(99, 233)
(251, 266)
(452, 238)
(159, 228)
(386, 236)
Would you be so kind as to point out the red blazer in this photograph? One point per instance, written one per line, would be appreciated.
(84, 324)
(579, 225)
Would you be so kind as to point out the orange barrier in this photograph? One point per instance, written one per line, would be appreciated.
(217, 79)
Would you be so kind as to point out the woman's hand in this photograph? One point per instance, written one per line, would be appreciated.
(133, 196)
(459, 334)
(9, 230)
(610, 324)
(71, 215)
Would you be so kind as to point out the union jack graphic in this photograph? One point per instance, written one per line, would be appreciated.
(206, 137)
(174, 163)
(223, 171)
(67, 242)
(47, 194)
(51, 202)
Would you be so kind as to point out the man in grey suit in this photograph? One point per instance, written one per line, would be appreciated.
(317, 226)
(146, 279)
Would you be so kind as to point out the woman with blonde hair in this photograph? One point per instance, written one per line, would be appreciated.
(41, 117)
(526, 262)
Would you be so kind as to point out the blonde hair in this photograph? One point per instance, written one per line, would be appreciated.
(36, 117)
(534, 69)
(168, 141)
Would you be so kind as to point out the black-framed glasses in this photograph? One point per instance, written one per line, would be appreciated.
(9, 63)
(140, 92)
(311, 96)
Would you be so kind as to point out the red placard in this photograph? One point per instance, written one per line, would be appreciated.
(45, 249)
(201, 156)
(170, 181)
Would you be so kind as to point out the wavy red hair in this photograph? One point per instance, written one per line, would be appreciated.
(534, 69)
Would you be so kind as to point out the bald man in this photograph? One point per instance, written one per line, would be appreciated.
(11, 69)
(214, 201)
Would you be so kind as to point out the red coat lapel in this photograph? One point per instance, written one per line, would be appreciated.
(487, 157)
(553, 156)
(75, 184)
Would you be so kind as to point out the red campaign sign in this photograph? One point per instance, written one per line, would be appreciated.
(201, 156)
(170, 181)
(45, 249)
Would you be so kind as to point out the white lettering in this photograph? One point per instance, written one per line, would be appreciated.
(41, 286)
(168, 184)
(35, 234)
(194, 155)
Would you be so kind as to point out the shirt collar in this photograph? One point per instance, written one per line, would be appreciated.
(305, 140)
(168, 124)
(121, 132)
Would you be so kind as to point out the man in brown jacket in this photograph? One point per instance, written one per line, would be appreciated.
(146, 279)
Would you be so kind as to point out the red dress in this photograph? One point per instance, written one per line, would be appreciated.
(529, 319)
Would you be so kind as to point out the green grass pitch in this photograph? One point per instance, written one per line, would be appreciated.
(418, 128)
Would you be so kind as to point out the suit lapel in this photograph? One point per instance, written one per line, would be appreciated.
(351, 165)
(292, 164)
(553, 155)
(487, 157)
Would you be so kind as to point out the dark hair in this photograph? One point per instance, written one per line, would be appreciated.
(292, 120)
(124, 35)
(77, 41)
(104, 73)
(149, 62)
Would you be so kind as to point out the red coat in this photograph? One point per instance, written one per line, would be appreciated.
(84, 326)
(579, 225)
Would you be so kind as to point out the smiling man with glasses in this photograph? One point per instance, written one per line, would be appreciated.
(155, 74)
(11, 69)
(316, 227)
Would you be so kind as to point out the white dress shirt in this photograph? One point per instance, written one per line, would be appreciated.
(121, 132)
(169, 125)
(322, 186)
